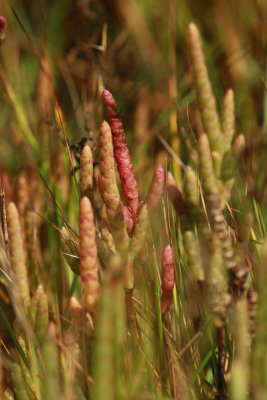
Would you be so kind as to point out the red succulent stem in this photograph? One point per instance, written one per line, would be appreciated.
(121, 153)
(167, 283)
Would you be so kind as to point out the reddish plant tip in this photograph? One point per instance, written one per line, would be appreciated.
(167, 283)
(156, 188)
(110, 105)
(3, 23)
(121, 153)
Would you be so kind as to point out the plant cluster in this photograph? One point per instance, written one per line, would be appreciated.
(105, 319)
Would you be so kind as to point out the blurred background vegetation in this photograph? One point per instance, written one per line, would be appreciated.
(66, 52)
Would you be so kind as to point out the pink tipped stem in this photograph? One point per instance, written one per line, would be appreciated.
(156, 188)
(167, 283)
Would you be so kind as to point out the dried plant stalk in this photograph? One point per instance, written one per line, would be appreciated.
(17, 254)
(88, 255)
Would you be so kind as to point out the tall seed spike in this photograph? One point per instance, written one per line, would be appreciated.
(111, 194)
(205, 94)
(86, 171)
(156, 188)
(228, 118)
(121, 152)
(88, 255)
(17, 255)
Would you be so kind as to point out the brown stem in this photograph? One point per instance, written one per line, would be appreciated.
(3, 216)
(221, 362)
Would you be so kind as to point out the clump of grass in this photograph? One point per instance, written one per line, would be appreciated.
(94, 314)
